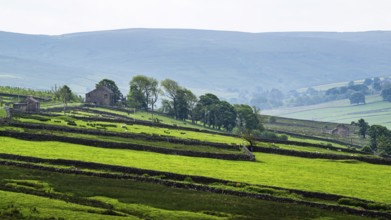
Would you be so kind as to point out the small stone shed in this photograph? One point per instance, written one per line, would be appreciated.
(101, 96)
(341, 130)
(28, 105)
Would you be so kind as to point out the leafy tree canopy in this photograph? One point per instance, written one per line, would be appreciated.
(113, 87)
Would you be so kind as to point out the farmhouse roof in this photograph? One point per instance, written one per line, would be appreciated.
(104, 88)
(30, 99)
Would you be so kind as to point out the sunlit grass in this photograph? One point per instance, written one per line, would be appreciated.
(350, 178)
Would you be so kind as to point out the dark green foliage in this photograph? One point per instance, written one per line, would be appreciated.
(380, 140)
(143, 93)
(113, 87)
(246, 117)
(357, 98)
(386, 94)
(368, 81)
(363, 127)
(367, 149)
(171, 89)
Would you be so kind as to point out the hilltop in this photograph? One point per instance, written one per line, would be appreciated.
(230, 64)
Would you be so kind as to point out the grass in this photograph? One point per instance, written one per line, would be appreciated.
(147, 116)
(349, 178)
(306, 149)
(36, 206)
(160, 144)
(3, 113)
(147, 201)
(375, 111)
(142, 129)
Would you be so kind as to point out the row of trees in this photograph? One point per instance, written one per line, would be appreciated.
(355, 92)
(182, 104)
(380, 138)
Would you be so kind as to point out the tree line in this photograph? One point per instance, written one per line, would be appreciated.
(379, 138)
(182, 104)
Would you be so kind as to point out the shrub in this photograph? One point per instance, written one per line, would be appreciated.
(188, 179)
(366, 149)
(71, 123)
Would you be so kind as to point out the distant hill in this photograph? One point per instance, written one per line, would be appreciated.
(231, 64)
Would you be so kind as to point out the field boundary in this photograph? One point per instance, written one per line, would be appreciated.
(114, 145)
(312, 155)
(204, 188)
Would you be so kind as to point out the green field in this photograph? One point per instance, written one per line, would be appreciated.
(375, 111)
(2, 113)
(84, 195)
(350, 178)
(141, 129)
(174, 133)
(139, 200)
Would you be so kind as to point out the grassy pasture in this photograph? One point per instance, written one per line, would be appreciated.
(140, 129)
(51, 208)
(176, 133)
(145, 200)
(160, 144)
(349, 178)
(2, 113)
(375, 111)
(147, 116)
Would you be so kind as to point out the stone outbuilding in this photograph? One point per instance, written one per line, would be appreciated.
(341, 130)
(28, 105)
(101, 96)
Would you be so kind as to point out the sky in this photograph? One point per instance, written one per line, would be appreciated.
(54, 17)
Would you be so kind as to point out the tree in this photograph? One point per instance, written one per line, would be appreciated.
(113, 87)
(384, 145)
(376, 85)
(248, 123)
(191, 102)
(368, 81)
(206, 109)
(186, 102)
(143, 92)
(375, 133)
(226, 115)
(363, 127)
(386, 94)
(246, 117)
(171, 91)
(357, 98)
(65, 95)
(155, 91)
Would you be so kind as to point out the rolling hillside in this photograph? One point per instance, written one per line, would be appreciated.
(146, 170)
(375, 111)
(230, 64)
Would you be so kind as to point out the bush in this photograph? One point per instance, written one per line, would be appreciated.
(71, 123)
(188, 179)
(367, 149)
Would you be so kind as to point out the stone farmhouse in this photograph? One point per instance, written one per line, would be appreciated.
(100, 96)
(28, 105)
(341, 130)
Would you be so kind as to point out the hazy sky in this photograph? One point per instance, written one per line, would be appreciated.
(67, 16)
